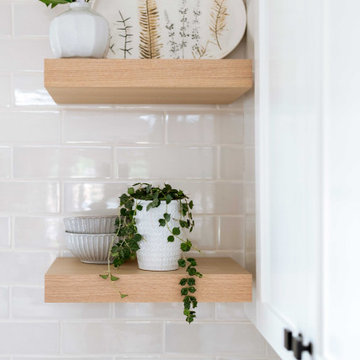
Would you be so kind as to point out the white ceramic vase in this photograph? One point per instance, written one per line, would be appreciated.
(79, 32)
(156, 253)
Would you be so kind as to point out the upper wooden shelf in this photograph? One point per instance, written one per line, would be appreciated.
(70, 281)
(113, 81)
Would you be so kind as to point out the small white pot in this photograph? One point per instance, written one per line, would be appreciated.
(79, 32)
(156, 253)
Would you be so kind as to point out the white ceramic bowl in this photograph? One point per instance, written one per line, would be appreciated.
(90, 248)
(90, 224)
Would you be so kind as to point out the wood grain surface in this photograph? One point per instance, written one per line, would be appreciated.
(70, 281)
(157, 81)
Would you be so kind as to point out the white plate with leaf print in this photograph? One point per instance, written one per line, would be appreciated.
(173, 29)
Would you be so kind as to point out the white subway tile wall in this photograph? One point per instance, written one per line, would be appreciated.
(57, 161)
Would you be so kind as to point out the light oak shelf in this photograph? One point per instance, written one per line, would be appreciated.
(114, 81)
(70, 281)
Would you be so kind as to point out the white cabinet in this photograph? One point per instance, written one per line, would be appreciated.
(308, 192)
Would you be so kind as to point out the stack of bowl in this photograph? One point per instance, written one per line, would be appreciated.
(90, 237)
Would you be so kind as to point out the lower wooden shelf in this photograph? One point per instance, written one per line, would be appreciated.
(156, 81)
(70, 281)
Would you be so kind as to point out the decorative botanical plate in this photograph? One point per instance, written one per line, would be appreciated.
(173, 29)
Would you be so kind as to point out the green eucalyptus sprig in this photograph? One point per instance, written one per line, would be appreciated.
(128, 237)
(53, 3)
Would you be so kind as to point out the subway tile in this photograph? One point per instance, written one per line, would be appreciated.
(39, 14)
(231, 163)
(126, 310)
(249, 127)
(205, 127)
(29, 338)
(230, 312)
(30, 127)
(39, 232)
(250, 233)
(205, 233)
(161, 311)
(5, 90)
(93, 198)
(214, 338)
(54, 162)
(213, 197)
(249, 198)
(24, 54)
(209, 197)
(249, 173)
(111, 338)
(5, 18)
(4, 302)
(29, 90)
(172, 162)
(116, 127)
(232, 233)
(4, 232)
(24, 268)
(5, 162)
(28, 303)
(29, 198)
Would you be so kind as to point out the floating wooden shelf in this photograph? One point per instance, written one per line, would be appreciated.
(113, 81)
(70, 281)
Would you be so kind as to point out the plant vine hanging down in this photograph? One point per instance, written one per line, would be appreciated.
(128, 238)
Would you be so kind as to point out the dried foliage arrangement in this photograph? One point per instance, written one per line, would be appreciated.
(219, 13)
(150, 44)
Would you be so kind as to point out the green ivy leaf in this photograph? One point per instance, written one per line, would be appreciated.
(104, 276)
(176, 231)
(137, 237)
(192, 289)
(183, 282)
(191, 281)
(182, 263)
(192, 261)
(131, 191)
(139, 207)
(184, 291)
(183, 223)
(123, 295)
(167, 217)
(168, 198)
(162, 222)
(191, 204)
(114, 278)
(171, 238)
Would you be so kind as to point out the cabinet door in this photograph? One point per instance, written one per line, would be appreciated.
(289, 170)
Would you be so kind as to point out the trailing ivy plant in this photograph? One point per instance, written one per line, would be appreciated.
(127, 237)
(53, 3)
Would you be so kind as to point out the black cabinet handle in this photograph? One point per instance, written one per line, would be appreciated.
(296, 344)
(298, 347)
(288, 339)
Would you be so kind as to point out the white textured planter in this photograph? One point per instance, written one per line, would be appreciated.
(79, 32)
(90, 248)
(156, 253)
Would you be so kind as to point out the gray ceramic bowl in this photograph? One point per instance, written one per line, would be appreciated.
(90, 248)
(90, 224)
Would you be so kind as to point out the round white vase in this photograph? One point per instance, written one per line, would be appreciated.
(79, 32)
(156, 253)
